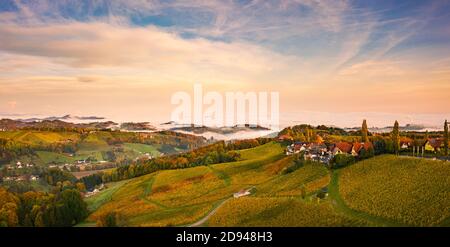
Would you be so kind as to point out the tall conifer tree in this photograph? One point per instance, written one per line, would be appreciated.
(446, 138)
(365, 132)
(396, 137)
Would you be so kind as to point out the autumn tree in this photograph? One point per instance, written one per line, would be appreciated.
(111, 219)
(8, 208)
(396, 137)
(364, 132)
(72, 207)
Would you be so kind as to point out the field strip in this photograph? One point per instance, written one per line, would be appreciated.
(211, 213)
(222, 175)
(148, 191)
(339, 204)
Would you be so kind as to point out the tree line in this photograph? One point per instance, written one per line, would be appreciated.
(62, 207)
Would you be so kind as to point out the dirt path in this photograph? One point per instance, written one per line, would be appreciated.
(204, 219)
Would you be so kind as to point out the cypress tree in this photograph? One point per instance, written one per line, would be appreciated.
(446, 137)
(364, 132)
(396, 137)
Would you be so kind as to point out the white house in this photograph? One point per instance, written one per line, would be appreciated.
(241, 193)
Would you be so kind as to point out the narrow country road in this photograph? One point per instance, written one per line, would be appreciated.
(204, 219)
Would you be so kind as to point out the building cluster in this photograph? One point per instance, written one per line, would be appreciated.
(21, 178)
(95, 191)
(433, 145)
(324, 153)
(68, 166)
(19, 165)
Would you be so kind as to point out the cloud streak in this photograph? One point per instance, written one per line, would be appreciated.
(323, 54)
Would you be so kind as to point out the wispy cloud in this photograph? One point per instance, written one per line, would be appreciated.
(300, 47)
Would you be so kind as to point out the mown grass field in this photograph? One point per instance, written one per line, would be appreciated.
(52, 157)
(382, 191)
(140, 149)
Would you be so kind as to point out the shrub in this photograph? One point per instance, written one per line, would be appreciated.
(111, 219)
(342, 160)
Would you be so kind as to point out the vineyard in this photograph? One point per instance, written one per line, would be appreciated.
(310, 178)
(179, 197)
(253, 211)
(385, 190)
(411, 191)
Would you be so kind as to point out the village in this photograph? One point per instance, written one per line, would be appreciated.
(17, 178)
(325, 152)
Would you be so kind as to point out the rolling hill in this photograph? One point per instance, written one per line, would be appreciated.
(382, 191)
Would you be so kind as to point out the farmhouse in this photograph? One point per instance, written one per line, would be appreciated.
(296, 147)
(406, 143)
(359, 147)
(241, 193)
(95, 191)
(434, 144)
(285, 138)
(344, 147)
(335, 150)
(19, 165)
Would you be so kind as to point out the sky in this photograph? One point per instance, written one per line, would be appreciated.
(332, 62)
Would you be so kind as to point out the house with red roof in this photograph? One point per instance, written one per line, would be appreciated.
(285, 138)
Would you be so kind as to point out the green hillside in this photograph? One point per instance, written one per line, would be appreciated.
(32, 137)
(395, 188)
(179, 197)
(48, 147)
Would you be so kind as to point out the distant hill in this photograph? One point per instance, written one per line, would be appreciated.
(67, 118)
(221, 133)
(9, 124)
(407, 127)
(144, 126)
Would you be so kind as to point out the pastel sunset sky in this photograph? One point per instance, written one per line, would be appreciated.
(333, 62)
